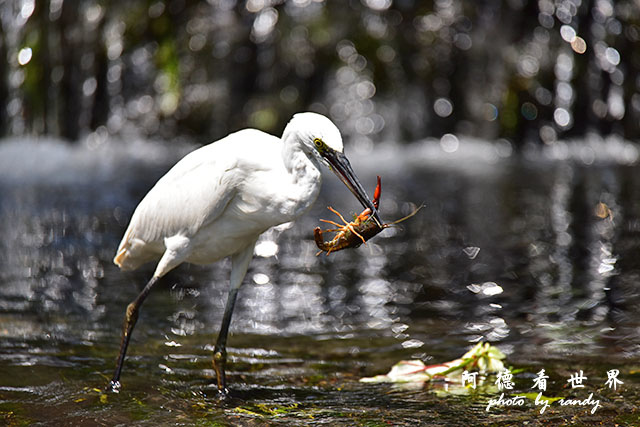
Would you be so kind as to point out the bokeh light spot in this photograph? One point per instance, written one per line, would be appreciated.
(449, 143)
(567, 33)
(562, 117)
(579, 45)
(25, 55)
(529, 111)
(489, 112)
(612, 55)
(443, 107)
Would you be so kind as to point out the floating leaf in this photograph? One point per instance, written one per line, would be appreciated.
(409, 371)
(482, 358)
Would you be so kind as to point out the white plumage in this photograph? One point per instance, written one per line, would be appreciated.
(218, 199)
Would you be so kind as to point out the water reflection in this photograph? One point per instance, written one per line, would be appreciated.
(537, 257)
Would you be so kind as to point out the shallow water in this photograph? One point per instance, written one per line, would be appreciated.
(538, 256)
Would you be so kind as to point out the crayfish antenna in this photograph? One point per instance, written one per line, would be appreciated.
(404, 218)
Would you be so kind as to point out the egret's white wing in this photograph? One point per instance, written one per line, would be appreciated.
(194, 193)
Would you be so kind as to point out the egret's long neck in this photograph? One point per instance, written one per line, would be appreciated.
(296, 161)
(304, 172)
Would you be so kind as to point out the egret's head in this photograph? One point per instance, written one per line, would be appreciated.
(317, 134)
(321, 140)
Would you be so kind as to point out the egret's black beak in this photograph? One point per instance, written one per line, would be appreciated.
(341, 167)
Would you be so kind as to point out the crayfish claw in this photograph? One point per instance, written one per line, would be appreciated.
(376, 194)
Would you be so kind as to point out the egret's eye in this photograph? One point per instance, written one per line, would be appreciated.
(318, 143)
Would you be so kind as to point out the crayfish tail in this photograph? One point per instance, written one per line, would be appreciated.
(317, 236)
(327, 247)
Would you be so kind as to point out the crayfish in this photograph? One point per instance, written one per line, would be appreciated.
(353, 234)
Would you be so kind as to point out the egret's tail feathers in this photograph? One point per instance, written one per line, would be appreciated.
(129, 259)
(133, 252)
(123, 258)
(120, 257)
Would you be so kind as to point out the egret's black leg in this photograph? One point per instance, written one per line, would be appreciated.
(220, 350)
(130, 319)
(239, 265)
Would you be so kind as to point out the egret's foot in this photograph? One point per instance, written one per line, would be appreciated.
(223, 394)
(114, 386)
(219, 364)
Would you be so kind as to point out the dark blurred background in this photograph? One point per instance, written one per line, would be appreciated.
(529, 71)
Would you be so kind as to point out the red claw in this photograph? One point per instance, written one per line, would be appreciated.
(376, 194)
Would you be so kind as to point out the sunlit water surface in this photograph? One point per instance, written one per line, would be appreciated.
(536, 255)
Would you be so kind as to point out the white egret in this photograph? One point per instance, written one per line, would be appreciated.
(216, 202)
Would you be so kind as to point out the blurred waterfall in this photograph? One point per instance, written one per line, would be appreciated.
(388, 70)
